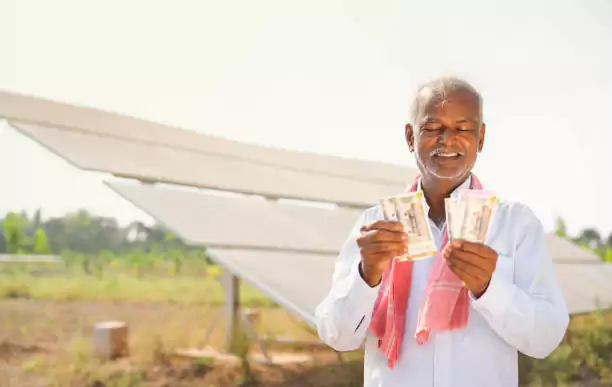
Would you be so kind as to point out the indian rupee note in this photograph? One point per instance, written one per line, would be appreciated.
(411, 213)
(455, 213)
(479, 207)
(387, 206)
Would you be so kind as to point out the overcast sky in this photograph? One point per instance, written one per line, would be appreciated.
(326, 76)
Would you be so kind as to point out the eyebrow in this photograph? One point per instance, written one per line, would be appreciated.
(459, 121)
(466, 120)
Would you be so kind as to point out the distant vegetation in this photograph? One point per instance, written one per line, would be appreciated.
(82, 238)
(104, 261)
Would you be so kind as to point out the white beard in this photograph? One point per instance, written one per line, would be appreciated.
(433, 172)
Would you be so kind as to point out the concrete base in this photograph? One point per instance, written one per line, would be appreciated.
(110, 340)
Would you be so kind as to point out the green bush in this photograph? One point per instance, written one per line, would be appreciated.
(15, 290)
(585, 354)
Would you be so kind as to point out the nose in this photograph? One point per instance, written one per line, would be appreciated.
(446, 137)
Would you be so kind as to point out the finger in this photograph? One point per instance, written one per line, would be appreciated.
(469, 257)
(486, 263)
(379, 236)
(468, 267)
(465, 277)
(378, 260)
(386, 225)
(377, 256)
(384, 247)
(382, 257)
(446, 251)
(472, 247)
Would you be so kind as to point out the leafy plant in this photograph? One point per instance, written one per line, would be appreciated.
(585, 354)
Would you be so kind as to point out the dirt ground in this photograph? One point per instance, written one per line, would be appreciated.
(48, 344)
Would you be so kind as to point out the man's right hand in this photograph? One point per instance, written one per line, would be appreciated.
(378, 243)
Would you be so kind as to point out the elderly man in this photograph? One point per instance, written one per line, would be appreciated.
(508, 299)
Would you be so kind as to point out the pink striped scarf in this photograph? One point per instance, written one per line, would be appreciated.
(445, 304)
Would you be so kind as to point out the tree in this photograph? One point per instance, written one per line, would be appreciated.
(2, 238)
(41, 246)
(87, 234)
(37, 220)
(80, 231)
(14, 230)
(609, 241)
(591, 238)
(560, 227)
(608, 255)
(176, 257)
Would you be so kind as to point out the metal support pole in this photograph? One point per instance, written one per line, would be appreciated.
(248, 323)
(231, 287)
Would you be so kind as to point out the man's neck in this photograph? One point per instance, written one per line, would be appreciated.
(435, 191)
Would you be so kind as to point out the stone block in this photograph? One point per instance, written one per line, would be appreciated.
(110, 340)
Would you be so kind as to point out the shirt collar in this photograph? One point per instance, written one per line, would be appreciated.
(462, 187)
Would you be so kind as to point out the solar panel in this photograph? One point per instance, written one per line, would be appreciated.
(170, 165)
(284, 249)
(586, 287)
(300, 227)
(288, 278)
(563, 250)
(216, 221)
(26, 109)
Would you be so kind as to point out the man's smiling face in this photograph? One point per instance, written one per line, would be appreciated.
(448, 133)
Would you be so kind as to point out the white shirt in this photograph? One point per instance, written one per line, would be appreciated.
(523, 309)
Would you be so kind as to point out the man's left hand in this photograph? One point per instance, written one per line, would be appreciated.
(473, 263)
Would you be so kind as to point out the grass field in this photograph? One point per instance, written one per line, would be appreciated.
(47, 313)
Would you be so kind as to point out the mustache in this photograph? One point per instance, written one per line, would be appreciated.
(438, 151)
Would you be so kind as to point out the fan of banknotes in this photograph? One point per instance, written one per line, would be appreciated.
(468, 216)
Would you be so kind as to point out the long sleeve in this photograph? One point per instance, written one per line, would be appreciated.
(529, 313)
(344, 315)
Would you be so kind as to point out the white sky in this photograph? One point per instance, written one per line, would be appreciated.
(326, 76)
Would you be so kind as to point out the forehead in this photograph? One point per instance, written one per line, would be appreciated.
(447, 103)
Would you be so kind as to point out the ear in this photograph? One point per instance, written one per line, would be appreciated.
(409, 134)
(481, 137)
